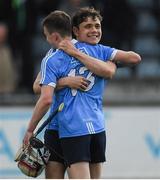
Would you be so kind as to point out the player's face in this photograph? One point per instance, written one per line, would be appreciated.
(89, 31)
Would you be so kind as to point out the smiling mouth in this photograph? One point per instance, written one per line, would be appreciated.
(95, 36)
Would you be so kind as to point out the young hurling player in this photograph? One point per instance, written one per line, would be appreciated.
(81, 122)
(53, 38)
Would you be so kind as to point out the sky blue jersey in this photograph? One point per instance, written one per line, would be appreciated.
(82, 113)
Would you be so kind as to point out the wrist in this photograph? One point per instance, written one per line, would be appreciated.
(30, 130)
(67, 81)
(75, 53)
(64, 81)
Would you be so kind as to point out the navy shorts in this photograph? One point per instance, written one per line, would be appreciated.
(90, 148)
(52, 141)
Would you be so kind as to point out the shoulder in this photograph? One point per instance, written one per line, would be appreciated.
(104, 47)
(58, 61)
(54, 56)
(110, 51)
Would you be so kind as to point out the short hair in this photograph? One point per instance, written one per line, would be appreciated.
(58, 21)
(83, 13)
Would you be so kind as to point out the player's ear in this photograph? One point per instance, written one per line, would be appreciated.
(75, 31)
(55, 37)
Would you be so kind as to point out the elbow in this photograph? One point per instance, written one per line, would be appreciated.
(139, 59)
(47, 100)
(135, 58)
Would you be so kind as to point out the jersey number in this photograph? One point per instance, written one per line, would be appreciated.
(89, 77)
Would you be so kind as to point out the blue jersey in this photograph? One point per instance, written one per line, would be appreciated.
(82, 113)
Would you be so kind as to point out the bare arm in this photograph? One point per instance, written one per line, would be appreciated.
(126, 58)
(40, 110)
(98, 67)
(36, 86)
(76, 82)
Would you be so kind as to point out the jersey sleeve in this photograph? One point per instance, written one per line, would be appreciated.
(49, 72)
(109, 53)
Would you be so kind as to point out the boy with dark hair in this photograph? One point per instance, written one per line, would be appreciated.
(80, 124)
(54, 35)
(56, 21)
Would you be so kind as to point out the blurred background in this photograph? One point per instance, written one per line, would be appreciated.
(131, 100)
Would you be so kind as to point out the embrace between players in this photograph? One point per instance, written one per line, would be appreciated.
(75, 73)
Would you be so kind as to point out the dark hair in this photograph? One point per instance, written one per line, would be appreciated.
(58, 21)
(83, 13)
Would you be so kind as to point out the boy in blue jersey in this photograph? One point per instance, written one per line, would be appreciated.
(55, 169)
(81, 122)
(86, 109)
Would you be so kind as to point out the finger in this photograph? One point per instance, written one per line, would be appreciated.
(86, 80)
(25, 143)
(60, 47)
(84, 83)
(83, 87)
